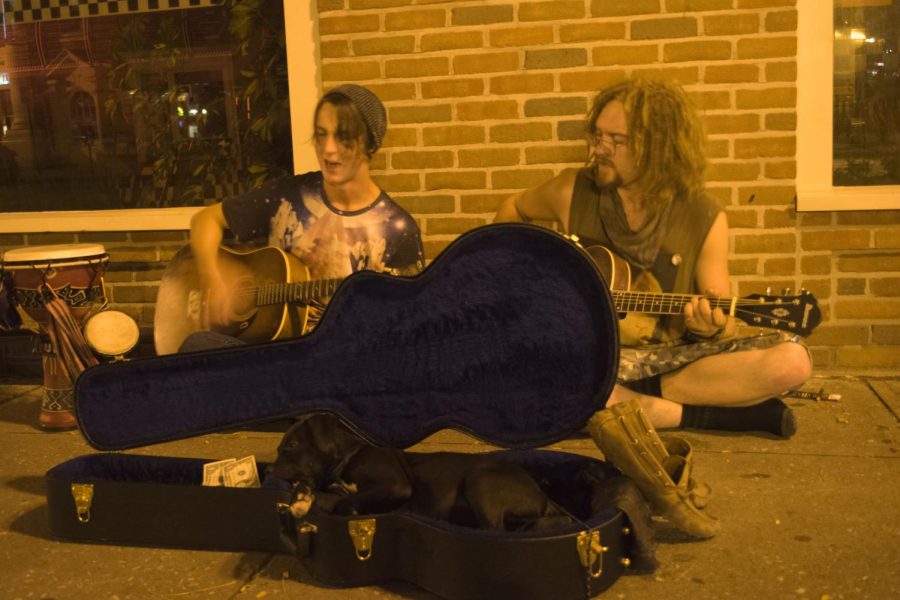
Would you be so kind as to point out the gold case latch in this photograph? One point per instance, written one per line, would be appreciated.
(83, 493)
(362, 532)
(591, 552)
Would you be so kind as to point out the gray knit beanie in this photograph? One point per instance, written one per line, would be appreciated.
(371, 109)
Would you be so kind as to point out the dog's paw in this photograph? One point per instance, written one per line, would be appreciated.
(301, 506)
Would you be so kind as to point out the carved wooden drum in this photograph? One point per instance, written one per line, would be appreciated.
(75, 273)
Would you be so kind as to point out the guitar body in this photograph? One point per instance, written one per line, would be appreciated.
(614, 269)
(181, 298)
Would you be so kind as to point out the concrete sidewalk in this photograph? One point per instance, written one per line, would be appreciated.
(816, 517)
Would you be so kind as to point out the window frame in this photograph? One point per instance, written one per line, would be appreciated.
(815, 191)
(304, 66)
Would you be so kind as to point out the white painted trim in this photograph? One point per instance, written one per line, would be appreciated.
(815, 81)
(305, 87)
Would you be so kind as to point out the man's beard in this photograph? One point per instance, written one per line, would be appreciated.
(604, 175)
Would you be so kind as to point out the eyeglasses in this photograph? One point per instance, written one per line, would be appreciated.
(610, 141)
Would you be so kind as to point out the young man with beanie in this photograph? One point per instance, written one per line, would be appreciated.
(641, 195)
(336, 221)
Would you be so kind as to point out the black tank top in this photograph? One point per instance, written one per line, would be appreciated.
(689, 222)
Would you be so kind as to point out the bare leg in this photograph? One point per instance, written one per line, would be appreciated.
(731, 379)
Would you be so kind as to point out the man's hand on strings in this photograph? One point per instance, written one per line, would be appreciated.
(702, 319)
(217, 305)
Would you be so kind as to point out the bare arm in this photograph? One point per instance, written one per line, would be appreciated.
(549, 201)
(712, 280)
(207, 229)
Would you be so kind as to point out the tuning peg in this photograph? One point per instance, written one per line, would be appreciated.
(786, 291)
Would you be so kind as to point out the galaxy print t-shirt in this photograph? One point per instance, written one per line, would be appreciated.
(294, 214)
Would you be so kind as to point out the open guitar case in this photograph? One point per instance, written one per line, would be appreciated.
(509, 335)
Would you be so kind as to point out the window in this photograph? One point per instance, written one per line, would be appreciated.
(155, 111)
(848, 149)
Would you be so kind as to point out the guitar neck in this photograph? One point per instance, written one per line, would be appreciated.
(299, 291)
(664, 304)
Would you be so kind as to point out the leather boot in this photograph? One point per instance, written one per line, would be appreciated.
(628, 440)
(679, 465)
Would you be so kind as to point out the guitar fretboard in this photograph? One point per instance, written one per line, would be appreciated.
(663, 304)
(300, 291)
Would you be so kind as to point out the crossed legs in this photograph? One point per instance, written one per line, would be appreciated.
(731, 379)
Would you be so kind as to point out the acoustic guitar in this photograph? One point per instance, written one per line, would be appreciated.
(269, 290)
(797, 314)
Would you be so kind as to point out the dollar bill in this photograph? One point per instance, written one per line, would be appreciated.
(242, 473)
(214, 472)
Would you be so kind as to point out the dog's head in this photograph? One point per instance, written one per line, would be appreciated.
(311, 449)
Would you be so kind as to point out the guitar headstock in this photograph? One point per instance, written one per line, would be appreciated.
(798, 314)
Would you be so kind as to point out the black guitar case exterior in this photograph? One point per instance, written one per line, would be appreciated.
(508, 335)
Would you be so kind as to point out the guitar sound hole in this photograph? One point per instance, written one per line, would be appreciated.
(243, 300)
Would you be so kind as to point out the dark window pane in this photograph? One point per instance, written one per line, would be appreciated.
(142, 110)
(866, 93)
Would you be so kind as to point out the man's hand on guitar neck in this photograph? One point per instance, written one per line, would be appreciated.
(702, 320)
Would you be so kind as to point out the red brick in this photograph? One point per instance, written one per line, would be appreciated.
(402, 44)
(766, 47)
(816, 265)
(397, 182)
(889, 238)
(521, 132)
(525, 83)
(558, 58)
(481, 203)
(784, 20)
(453, 136)
(417, 67)
(784, 267)
(589, 81)
(730, 24)
(733, 73)
(839, 239)
(681, 6)
(781, 121)
(454, 40)
(867, 309)
(679, 75)
(489, 157)
(482, 15)
(867, 357)
(569, 153)
(480, 111)
(777, 97)
(432, 203)
(732, 171)
(786, 169)
(887, 286)
(886, 334)
(781, 71)
(765, 147)
(773, 219)
(445, 225)
(630, 54)
(486, 62)
(434, 248)
(743, 266)
(710, 100)
(731, 123)
(522, 36)
(767, 195)
(590, 32)
(742, 218)
(542, 107)
(451, 88)
(869, 217)
(697, 50)
(675, 27)
(455, 180)
(393, 91)
(550, 11)
(519, 178)
(400, 136)
(861, 263)
(348, 24)
(838, 335)
(419, 114)
(134, 293)
(415, 20)
(847, 286)
(765, 243)
(422, 160)
(605, 8)
(351, 71)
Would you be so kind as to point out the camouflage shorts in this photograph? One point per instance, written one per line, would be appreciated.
(641, 362)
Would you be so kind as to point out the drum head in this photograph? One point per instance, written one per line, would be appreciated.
(57, 253)
(111, 333)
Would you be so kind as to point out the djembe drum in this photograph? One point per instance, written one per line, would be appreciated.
(74, 273)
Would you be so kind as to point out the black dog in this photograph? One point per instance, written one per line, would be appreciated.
(321, 453)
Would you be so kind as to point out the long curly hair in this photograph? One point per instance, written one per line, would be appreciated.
(664, 134)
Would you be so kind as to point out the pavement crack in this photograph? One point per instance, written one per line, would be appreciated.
(242, 588)
(881, 398)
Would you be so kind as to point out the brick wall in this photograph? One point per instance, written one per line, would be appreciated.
(488, 97)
